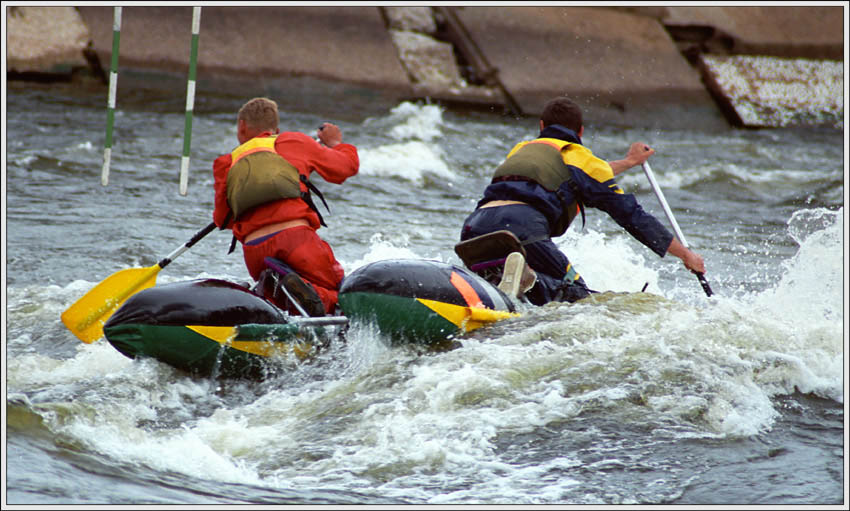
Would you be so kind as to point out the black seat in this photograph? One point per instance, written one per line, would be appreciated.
(486, 254)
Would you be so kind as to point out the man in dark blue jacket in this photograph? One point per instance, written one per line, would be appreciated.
(544, 183)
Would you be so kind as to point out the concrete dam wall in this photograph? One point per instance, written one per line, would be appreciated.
(634, 65)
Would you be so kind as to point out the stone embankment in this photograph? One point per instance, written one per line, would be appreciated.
(663, 66)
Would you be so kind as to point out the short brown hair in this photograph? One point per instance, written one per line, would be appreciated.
(563, 111)
(259, 114)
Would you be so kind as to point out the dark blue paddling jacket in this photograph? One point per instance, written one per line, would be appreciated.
(559, 177)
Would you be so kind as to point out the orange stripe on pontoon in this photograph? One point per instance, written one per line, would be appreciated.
(469, 295)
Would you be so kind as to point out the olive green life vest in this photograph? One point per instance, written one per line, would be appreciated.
(258, 174)
(540, 161)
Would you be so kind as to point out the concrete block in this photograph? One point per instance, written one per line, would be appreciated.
(815, 31)
(417, 19)
(769, 91)
(335, 43)
(617, 64)
(428, 61)
(41, 38)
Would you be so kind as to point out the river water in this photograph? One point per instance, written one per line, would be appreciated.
(661, 397)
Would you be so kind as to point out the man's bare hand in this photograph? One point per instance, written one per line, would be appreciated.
(329, 134)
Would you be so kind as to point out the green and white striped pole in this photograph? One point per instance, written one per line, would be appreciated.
(190, 101)
(110, 105)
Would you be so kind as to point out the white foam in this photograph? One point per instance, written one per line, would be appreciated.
(608, 263)
(381, 249)
(91, 361)
(410, 153)
(412, 161)
(421, 122)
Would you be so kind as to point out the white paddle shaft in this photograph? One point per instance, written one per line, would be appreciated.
(658, 193)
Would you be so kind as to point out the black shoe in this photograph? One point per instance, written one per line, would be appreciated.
(305, 294)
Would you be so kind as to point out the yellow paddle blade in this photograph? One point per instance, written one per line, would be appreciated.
(86, 317)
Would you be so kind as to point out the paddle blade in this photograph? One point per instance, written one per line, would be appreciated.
(85, 318)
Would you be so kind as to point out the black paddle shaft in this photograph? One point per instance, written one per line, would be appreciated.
(704, 283)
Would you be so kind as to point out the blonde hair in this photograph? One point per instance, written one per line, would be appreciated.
(259, 114)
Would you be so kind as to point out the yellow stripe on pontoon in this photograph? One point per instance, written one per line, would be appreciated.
(467, 318)
(226, 335)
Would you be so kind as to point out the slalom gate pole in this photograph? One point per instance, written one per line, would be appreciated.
(190, 101)
(110, 105)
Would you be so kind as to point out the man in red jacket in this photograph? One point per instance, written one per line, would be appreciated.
(262, 193)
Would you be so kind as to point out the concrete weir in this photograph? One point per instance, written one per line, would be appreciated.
(760, 92)
(642, 65)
